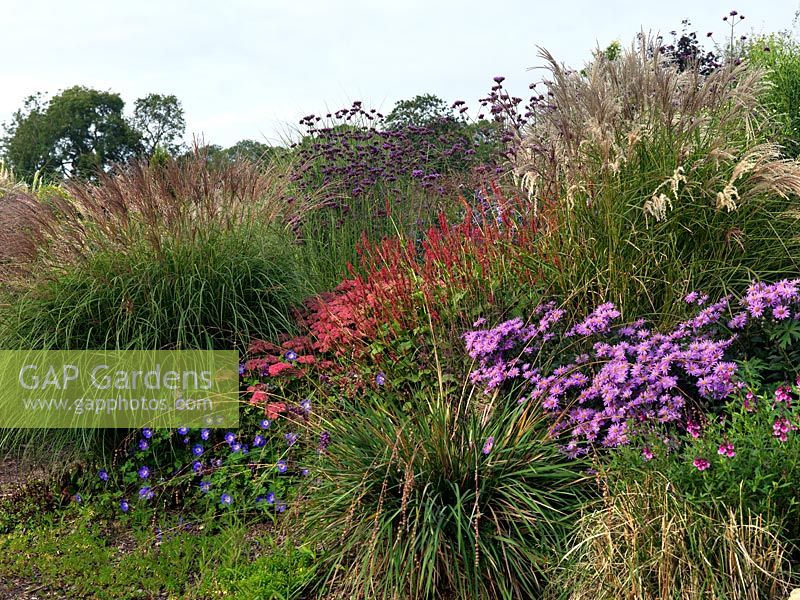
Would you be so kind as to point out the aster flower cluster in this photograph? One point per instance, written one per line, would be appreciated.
(632, 374)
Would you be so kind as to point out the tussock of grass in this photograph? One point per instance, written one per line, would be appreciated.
(646, 542)
(654, 182)
(163, 255)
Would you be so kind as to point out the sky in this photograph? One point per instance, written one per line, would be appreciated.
(250, 69)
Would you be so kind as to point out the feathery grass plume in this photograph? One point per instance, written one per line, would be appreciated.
(644, 173)
(648, 542)
(9, 183)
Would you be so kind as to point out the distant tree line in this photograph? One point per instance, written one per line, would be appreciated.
(81, 131)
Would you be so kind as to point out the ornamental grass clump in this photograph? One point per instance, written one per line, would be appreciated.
(647, 541)
(656, 179)
(444, 503)
(164, 255)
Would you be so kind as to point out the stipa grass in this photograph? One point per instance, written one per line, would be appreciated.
(446, 503)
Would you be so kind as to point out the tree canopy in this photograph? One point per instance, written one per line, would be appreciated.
(423, 110)
(77, 132)
(159, 121)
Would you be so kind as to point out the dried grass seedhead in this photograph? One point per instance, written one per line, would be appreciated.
(169, 200)
(646, 543)
(625, 110)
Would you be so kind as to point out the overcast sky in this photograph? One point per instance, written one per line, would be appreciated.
(252, 68)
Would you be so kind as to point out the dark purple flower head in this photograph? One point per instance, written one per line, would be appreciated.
(103, 475)
(488, 445)
(144, 472)
(324, 441)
